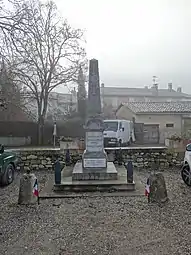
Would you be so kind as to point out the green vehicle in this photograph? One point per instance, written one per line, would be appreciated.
(8, 162)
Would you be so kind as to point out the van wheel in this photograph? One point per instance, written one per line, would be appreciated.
(8, 176)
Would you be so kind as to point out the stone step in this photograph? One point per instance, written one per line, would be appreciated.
(84, 186)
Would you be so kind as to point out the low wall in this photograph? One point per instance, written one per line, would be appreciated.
(145, 157)
(39, 159)
(142, 158)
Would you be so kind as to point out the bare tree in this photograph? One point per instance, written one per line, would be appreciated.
(44, 51)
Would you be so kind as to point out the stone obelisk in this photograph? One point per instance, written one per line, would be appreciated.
(94, 99)
(94, 165)
(94, 157)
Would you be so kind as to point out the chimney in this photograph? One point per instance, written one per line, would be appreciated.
(102, 85)
(179, 90)
(170, 87)
(156, 87)
(146, 87)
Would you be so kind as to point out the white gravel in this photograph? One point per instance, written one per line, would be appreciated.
(110, 225)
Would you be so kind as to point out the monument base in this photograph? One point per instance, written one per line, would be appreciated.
(79, 174)
(94, 161)
(109, 186)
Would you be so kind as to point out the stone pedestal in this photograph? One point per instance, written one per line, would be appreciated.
(94, 165)
(94, 157)
(79, 174)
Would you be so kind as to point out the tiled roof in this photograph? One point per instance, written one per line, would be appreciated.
(160, 107)
(123, 91)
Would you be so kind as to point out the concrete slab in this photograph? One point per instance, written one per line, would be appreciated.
(145, 147)
(57, 149)
(49, 191)
(79, 174)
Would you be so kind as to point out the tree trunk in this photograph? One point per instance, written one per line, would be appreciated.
(42, 109)
(40, 130)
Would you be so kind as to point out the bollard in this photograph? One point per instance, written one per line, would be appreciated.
(57, 172)
(120, 157)
(129, 168)
(26, 188)
(67, 158)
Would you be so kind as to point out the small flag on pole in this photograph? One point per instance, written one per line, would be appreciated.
(54, 130)
(54, 134)
(35, 189)
(147, 187)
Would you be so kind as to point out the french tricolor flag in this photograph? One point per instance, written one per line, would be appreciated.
(147, 187)
(35, 188)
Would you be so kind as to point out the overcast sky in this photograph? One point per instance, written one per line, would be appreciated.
(136, 39)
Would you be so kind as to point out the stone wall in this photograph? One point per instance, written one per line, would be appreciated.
(142, 158)
(151, 158)
(42, 159)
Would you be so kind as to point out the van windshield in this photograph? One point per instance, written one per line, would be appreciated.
(111, 126)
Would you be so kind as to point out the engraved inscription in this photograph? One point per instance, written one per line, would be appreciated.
(88, 163)
(94, 141)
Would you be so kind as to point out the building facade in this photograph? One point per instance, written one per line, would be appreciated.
(159, 120)
(59, 105)
(114, 96)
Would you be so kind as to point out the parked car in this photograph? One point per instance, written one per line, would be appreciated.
(8, 163)
(186, 169)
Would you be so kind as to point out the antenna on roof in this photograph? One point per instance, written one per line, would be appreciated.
(154, 80)
(155, 84)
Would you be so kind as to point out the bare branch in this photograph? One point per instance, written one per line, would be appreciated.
(43, 50)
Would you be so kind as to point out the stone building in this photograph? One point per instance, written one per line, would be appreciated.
(59, 104)
(159, 120)
(112, 97)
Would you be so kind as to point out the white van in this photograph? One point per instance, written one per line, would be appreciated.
(118, 133)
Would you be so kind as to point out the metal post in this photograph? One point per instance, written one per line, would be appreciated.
(67, 159)
(129, 168)
(57, 171)
(120, 157)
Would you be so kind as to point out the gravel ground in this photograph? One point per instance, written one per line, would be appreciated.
(118, 225)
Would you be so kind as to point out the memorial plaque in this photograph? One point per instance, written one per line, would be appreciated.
(94, 141)
(95, 163)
